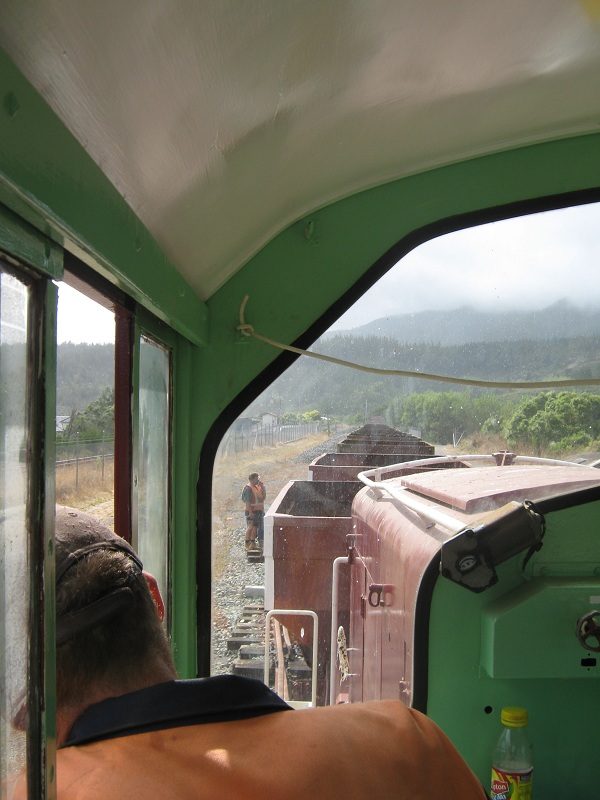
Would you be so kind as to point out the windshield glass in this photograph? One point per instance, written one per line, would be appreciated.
(516, 301)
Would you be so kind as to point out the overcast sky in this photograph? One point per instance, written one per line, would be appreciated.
(527, 262)
(81, 319)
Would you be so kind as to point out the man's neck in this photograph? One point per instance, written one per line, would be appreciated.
(67, 715)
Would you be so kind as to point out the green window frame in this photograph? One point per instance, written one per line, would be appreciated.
(33, 261)
(180, 592)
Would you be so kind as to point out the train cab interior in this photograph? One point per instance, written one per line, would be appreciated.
(229, 179)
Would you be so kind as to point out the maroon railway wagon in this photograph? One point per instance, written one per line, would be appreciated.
(385, 440)
(305, 530)
(386, 446)
(377, 435)
(346, 466)
(380, 433)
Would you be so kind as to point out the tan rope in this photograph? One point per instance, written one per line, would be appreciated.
(247, 330)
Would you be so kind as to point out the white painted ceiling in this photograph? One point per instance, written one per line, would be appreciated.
(222, 121)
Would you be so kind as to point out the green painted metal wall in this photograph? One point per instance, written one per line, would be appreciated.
(47, 178)
(305, 269)
(540, 667)
(48, 182)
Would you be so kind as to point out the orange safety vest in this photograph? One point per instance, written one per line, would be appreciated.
(259, 493)
(373, 750)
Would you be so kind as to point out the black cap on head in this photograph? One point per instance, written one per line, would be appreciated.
(76, 535)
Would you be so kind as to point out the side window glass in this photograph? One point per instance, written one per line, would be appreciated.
(85, 405)
(14, 533)
(153, 457)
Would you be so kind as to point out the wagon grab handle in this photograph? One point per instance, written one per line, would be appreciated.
(283, 612)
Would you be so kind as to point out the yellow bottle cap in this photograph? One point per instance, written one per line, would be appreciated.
(514, 717)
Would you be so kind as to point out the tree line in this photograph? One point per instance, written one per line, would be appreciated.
(95, 422)
(546, 422)
(554, 421)
(351, 395)
(82, 373)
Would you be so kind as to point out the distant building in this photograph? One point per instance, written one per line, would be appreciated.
(268, 418)
(62, 423)
(243, 425)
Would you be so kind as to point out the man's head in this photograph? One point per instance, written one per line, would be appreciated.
(109, 636)
(254, 477)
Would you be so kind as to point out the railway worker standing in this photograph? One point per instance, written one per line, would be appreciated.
(126, 728)
(254, 495)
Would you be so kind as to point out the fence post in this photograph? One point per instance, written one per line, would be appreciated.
(77, 460)
(102, 457)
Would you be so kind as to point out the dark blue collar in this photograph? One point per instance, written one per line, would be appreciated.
(170, 705)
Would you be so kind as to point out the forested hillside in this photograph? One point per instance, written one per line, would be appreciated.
(551, 350)
(339, 391)
(471, 325)
(83, 372)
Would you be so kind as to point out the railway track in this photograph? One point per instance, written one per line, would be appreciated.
(289, 674)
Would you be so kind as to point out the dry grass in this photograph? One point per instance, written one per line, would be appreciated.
(275, 465)
(481, 443)
(85, 486)
(477, 443)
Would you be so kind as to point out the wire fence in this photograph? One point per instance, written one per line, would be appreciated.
(77, 449)
(83, 459)
(239, 441)
(77, 455)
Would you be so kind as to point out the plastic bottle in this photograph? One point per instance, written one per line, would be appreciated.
(512, 762)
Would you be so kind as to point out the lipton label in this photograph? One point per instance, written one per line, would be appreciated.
(513, 785)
